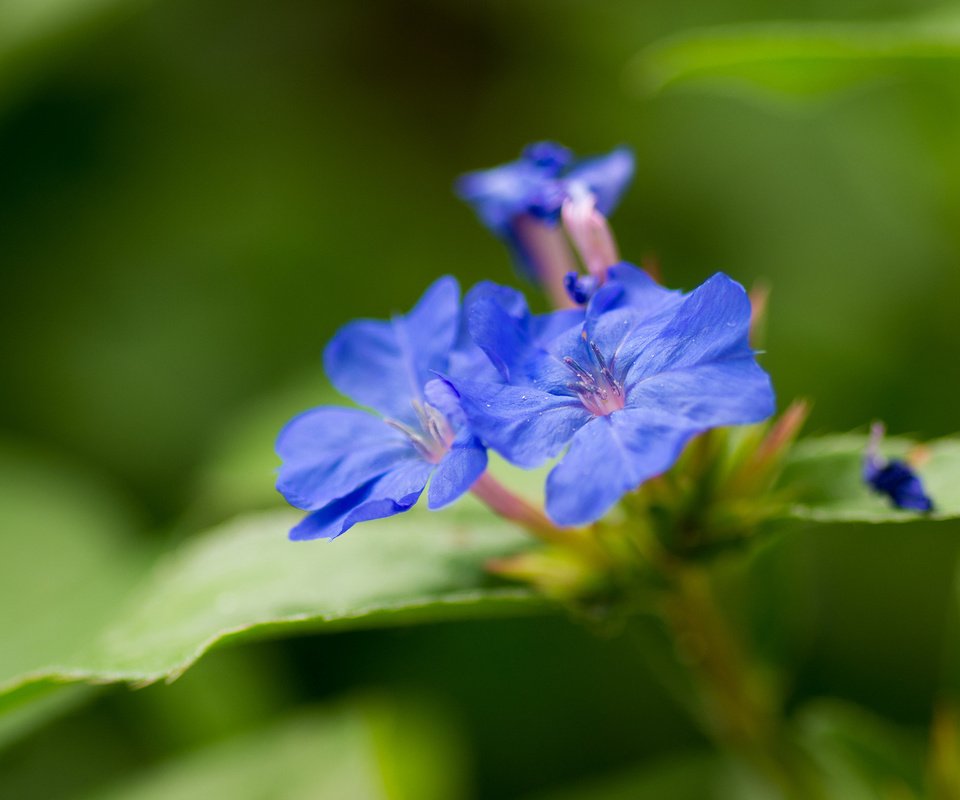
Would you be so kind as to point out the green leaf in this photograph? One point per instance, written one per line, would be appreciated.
(801, 59)
(82, 599)
(823, 476)
(245, 578)
(66, 556)
(31, 29)
(369, 750)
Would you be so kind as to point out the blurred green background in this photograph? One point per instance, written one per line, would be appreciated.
(194, 194)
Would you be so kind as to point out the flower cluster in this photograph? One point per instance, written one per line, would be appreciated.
(611, 386)
(624, 385)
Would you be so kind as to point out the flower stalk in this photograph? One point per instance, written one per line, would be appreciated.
(590, 233)
(549, 252)
(499, 499)
(505, 503)
(740, 710)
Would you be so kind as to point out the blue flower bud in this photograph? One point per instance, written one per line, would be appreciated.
(893, 478)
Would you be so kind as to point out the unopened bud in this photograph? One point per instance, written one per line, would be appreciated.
(589, 231)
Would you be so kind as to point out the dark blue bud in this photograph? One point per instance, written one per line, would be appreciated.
(900, 483)
(894, 478)
(580, 287)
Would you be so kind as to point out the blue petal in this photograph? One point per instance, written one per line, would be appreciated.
(625, 335)
(712, 323)
(385, 365)
(535, 185)
(442, 396)
(496, 317)
(502, 326)
(393, 493)
(733, 391)
(628, 314)
(499, 194)
(525, 425)
(550, 157)
(457, 472)
(608, 457)
(524, 260)
(544, 328)
(607, 177)
(631, 286)
(511, 300)
(329, 452)
(467, 360)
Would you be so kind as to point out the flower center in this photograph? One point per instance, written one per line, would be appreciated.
(599, 391)
(435, 436)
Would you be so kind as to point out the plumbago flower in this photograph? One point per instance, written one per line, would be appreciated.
(345, 465)
(622, 392)
(523, 201)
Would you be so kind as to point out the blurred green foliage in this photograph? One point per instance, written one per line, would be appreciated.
(194, 195)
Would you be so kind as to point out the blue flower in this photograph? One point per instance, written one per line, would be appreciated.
(344, 465)
(894, 478)
(511, 199)
(622, 392)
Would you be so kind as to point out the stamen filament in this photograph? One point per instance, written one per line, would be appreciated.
(435, 436)
(595, 390)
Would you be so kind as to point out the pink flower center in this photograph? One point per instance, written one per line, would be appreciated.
(599, 391)
(435, 436)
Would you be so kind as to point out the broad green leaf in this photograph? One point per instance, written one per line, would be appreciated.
(369, 750)
(245, 578)
(823, 477)
(66, 555)
(802, 58)
(82, 599)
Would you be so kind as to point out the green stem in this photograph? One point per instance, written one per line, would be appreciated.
(739, 710)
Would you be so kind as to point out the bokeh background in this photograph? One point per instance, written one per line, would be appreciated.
(194, 194)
